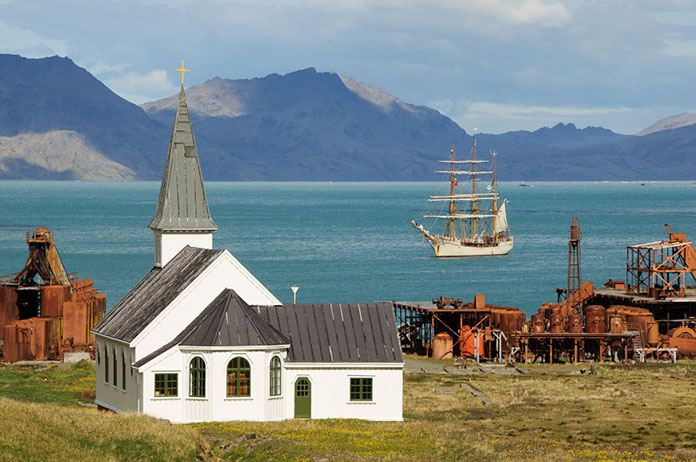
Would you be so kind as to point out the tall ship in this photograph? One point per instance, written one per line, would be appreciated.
(475, 222)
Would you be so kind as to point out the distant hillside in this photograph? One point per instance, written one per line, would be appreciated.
(60, 122)
(83, 129)
(310, 126)
(668, 123)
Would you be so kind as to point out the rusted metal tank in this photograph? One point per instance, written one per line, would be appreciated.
(653, 334)
(538, 323)
(684, 338)
(557, 323)
(442, 345)
(468, 342)
(595, 319)
(574, 323)
(616, 322)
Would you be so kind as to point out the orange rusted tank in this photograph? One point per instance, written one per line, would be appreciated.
(8, 307)
(616, 322)
(575, 323)
(684, 338)
(52, 299)
(442, 345)
(595, 319)
(538, 323)
(556, 323)
(653, 333)
(468, 342)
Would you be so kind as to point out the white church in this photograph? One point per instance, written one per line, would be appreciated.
(199, 338)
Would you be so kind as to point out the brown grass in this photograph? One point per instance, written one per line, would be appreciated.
(54, 432)
(625, 413)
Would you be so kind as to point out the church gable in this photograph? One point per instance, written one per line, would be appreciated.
(227, 321)
(154, 293)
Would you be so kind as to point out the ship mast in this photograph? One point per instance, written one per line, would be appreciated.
(474, 203)
(495, 199)
(452, 208)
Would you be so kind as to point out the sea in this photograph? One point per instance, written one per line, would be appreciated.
(350, 242)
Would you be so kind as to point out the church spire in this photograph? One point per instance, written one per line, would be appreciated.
(182, 208)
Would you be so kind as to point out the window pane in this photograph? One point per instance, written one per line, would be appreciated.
(238, 377)
(197, 378)
(275, 376)
(361, 389)
(166, 385)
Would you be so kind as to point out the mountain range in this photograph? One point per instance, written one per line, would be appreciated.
(60, 122)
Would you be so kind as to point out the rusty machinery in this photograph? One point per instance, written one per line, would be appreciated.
(623, 320)
(44, 311)
(448, 327)
(611, 323)
(658, 269)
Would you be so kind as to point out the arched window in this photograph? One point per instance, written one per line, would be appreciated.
(106, 364)
(98, 355)
(115, 369)
(238, 377)
(197, 378)
(123, 371)
(275, 376)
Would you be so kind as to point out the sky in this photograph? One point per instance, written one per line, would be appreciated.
(494, 65)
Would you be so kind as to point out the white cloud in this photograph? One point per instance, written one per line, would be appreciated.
(497, 118)
(139, 88)
(29, 43)
(536, 12)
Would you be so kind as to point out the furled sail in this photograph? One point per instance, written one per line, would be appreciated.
(501, 223)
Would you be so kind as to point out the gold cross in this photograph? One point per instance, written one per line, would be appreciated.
(182, 70)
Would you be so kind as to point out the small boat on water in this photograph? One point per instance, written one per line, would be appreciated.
(475, 222)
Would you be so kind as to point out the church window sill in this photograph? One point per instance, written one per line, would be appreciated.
(239, 398)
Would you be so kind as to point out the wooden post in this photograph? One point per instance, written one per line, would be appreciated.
(626, 352)
(550, 351)
(526, 353)
(575, 360)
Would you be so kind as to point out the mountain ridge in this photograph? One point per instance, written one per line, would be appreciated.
(304, 125)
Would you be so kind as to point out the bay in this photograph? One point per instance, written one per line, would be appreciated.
(349, 242)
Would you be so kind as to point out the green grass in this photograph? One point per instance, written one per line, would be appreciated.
(624, 413)
(47, 382)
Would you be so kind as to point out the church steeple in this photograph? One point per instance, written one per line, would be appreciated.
(182, 216)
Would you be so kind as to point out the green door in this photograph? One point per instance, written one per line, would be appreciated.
(303, 398)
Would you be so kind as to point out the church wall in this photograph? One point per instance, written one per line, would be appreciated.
(221, 274)
(108, 395)
(167, 245)
(330, 390)
(215, 406)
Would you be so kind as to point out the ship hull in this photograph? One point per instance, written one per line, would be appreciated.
(455, 249)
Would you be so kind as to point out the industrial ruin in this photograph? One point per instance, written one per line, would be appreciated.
(44, 311)
(649, 314)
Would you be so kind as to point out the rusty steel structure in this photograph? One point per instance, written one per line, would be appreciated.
(658, 269)
(651, 313)
(44, 311)
(447, 327)
(574, 277)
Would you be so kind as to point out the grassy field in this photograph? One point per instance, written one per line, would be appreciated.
(624, 413)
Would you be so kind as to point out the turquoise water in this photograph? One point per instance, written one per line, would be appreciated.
(349, 242)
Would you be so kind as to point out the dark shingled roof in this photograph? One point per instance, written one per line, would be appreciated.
(182, 205)
(226, 321)
(336, 333)
(154, 293)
